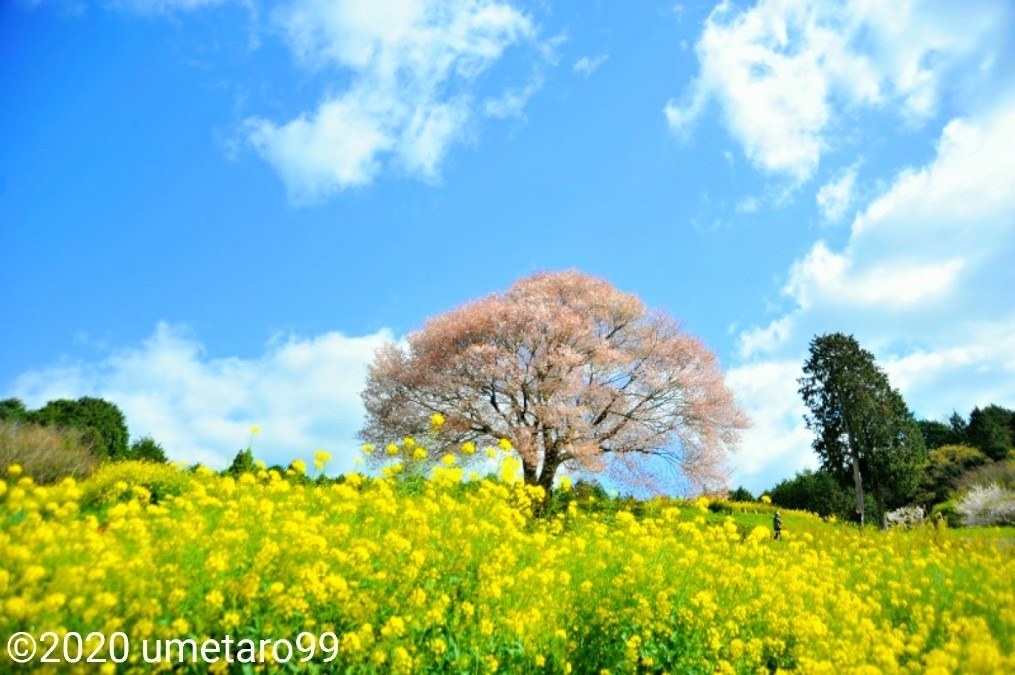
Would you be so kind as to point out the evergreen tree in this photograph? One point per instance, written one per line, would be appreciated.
(864, 429)
(938, 434)
(991, 429)
(243, 462)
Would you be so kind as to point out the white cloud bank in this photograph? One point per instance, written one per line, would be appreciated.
(411, 68)
(786, 74)
(925, 281)
(302, 392)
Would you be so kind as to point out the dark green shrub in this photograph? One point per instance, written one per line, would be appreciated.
(145, 449)
(741, 494)
(88, 413)
(949, 512)
(243, 462)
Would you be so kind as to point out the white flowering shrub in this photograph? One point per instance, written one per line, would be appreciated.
(988, 505)
(907, 516)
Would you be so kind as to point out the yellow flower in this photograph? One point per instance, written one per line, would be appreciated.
(367, 449)
(323, 456)
(299, 466)
(14, 470)
(255, 430)
(437, 420)
(215, 599)
(419, 453)
(448, 459)
(409, 442)
(504, 444)
(392, 449)
(765, 499)
(468, 448)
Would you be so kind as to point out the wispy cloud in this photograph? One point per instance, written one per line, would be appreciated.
(835, 197)
(585, 66)
(784, 74)
(302, 392)
(512, 102)
(411, 68)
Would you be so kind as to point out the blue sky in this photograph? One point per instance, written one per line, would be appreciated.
(213, 211)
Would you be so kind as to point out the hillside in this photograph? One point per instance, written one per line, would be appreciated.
(375, 575)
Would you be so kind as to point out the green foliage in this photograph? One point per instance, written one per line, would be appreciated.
(145, 449)
(937, 434)
(948, 512)
(942, 470)
(89, 413)
(992, 430)
(243, 462)
(815, 491)
(741, 494)
(13, 410)
(45, 454)
(864, 431)
(582, 492)
(997, 473)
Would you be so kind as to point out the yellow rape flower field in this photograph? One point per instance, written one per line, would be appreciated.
(443, 576)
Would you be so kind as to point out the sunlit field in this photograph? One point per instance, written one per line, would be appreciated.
(443, 576)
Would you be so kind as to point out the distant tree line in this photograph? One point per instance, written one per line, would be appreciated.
(70, 431)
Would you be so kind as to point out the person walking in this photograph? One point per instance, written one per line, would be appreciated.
(777, 525)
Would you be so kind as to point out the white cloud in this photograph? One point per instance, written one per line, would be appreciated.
(836, 196)
(764, 340)
(786, 71)
(924, 282)
(585, 66)
(892, 282)
(412, 67)
(512, 102)
(777, 444)
(302, 392)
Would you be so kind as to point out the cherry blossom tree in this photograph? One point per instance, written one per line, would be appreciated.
(572, 371)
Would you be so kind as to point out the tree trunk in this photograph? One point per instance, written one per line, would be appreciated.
(529, 473)
(879, 499)
(858, 486)
(546, 482)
